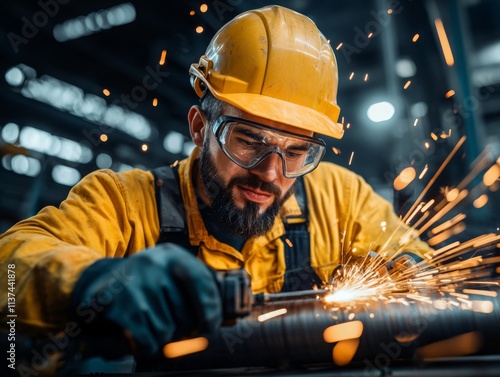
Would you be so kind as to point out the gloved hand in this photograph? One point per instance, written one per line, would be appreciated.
(161, 294)
(403, 265)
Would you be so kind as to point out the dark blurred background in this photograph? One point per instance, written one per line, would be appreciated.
(104, 84)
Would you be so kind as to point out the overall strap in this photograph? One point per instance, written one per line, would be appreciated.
(171, 212)
(299, 274)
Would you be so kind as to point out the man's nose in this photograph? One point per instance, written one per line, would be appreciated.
(269, 168)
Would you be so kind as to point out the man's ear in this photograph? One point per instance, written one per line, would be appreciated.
(197, 124)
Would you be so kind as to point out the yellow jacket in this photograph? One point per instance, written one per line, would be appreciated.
(112, 214)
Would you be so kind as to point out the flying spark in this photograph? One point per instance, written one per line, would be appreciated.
(452, 275)
(350, 159)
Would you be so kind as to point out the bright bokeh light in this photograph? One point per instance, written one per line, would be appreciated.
(406, 68)
(489, 54)
(103, 161)
(14, 76)
(22, 164)
(185, 347)
(343, 331)
(65, 175)
(173, 142)
(94, 22)
(404, 178)
(381, 111)
(44, 142)
(72, 99)
(10, 133)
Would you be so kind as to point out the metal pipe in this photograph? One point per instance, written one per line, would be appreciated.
(390, 331)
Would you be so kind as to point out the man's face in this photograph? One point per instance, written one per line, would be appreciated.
(246, 201)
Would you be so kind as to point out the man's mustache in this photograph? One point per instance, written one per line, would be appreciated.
(255, 183)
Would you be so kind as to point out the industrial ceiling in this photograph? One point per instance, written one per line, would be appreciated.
(92, 84)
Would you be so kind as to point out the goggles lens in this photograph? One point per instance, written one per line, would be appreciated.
(247, 143)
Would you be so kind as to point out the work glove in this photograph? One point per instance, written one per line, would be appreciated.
(405, 263)
(404, 266)
(161, 294)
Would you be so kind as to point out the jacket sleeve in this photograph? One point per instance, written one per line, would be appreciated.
(376, 226)
(349, 219)
(106, 214)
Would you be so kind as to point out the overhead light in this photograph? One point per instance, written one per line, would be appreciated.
(41, 141)
(94, 22)
(10, 133)
(22, 165)
(173, 142)
(488, 55)
(15, 76)
(65, 175)
(103, 161)
(381, 111)
(72, 99)
(406, 68)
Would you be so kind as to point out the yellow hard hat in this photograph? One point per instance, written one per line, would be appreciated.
(274, 63)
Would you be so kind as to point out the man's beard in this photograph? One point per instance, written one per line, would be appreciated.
(244, 222)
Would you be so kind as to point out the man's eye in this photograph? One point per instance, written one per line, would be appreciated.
(294, 154)
(251, 143)
(297, 151)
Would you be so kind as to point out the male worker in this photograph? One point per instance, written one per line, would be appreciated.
(252, 195)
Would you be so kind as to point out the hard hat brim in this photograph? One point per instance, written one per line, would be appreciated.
(285, 112)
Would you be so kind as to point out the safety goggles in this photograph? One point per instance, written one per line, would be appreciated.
(247, 143)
